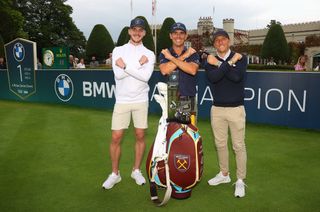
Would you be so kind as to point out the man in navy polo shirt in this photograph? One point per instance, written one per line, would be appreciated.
(183, 60)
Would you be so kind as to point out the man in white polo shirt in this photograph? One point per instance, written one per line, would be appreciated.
(132, 66)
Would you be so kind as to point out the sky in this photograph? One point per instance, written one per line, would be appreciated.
(248, 14)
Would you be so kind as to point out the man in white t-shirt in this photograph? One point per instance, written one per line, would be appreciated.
(132, 65)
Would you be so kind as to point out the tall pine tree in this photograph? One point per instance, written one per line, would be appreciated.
(275, 44)
(100, 43)
(123, 37)
(163, 40)
(148, 38)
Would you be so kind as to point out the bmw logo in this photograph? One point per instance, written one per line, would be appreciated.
(18, 52)
(63, 87)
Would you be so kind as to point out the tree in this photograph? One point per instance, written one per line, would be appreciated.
(148, 39)
(275, 44)
(11, 21)
(312, 40)
(272, 22)
(1, 47)
(207, 38)
(295, 51)
(123, 37)
(100, 43)
(163, 40)
(48, 22)
(249, 49)
(196, 41)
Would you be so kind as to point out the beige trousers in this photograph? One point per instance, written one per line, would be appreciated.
(233, 118)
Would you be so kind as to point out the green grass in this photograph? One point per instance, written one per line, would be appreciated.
(55, 158)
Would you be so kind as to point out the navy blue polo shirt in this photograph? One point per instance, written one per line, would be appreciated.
(187, 82)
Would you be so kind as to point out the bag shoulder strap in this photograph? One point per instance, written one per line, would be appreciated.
(153, 186)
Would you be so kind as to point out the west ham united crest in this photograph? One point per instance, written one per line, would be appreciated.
(182, 162)
(18, 52)
(63, 87)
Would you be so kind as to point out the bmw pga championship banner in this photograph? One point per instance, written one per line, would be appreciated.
(21, 64)
(278, 98)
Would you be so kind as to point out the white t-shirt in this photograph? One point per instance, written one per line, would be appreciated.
(132, 83)
(80, 65)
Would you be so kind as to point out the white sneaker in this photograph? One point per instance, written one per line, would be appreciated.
(240, 188)
(218, 179)
(137, 176)
(111, 181)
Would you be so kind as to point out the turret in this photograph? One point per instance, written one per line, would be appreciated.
(228, 26)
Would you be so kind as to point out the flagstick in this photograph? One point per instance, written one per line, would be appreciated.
(213, 10)
(153, 27)
(131, 9)
(155, 30)
(154, 14)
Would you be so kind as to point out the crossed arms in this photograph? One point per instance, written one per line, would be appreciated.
(187, 67)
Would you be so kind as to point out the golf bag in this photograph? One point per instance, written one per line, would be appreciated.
(175, 160)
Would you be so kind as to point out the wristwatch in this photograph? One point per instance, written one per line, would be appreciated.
(219, 64)
(231, 63)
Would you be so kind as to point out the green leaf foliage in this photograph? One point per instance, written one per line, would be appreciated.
(275, 44)
(49, 23)
(11, 21)
(249, 49)
(263, 67)
(163, 40)
(295, 51)
(312, 40)
(1, 47)
(123, 37)
(100, 43)
(148, 39)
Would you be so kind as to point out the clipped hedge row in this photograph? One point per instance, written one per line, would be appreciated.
(270, 67)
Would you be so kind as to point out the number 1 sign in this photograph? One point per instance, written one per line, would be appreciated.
(21, 66)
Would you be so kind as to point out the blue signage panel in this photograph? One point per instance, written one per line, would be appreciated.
(278, 98)
(283, 98)
(21, 65)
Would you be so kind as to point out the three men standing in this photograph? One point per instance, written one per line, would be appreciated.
(133, 65)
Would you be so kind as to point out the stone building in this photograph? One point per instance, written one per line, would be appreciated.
(205, 24)
(293, 33)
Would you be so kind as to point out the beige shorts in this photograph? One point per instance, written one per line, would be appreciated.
(121, 115)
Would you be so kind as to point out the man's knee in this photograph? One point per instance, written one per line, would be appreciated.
(221, 143)
(222, 147)
(140, 135)
(116, 137)
(239, 147)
